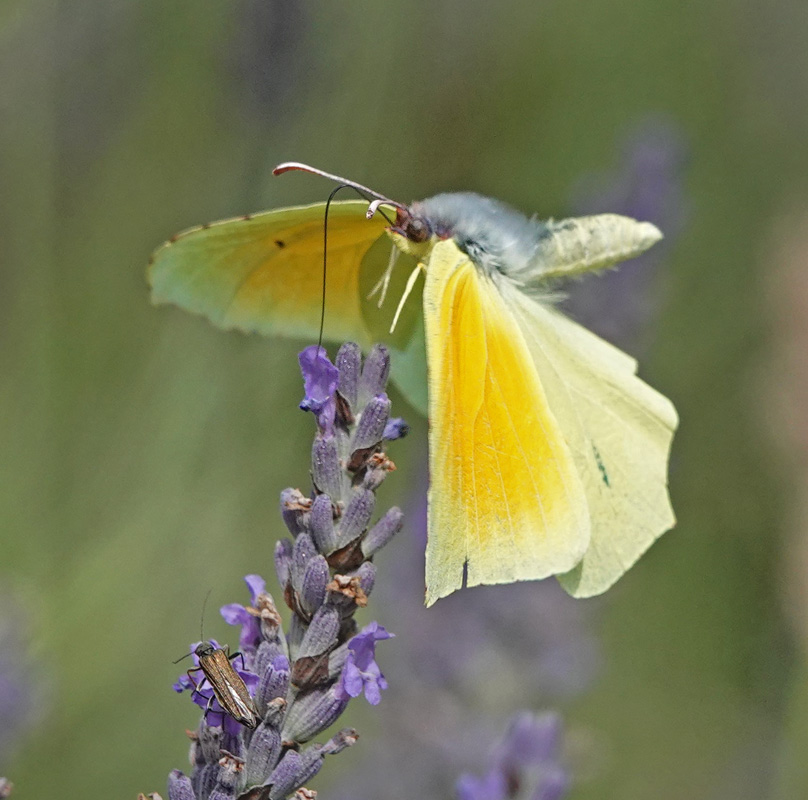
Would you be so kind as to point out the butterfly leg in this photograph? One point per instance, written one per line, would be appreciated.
(384, 281)
(410, 283)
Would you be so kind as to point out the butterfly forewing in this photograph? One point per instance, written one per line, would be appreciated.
(506, 501)
(264, 272)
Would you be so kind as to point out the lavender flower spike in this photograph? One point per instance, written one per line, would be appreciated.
(303, 680)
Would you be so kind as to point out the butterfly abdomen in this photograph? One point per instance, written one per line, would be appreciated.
(499, 239)
(587, 244)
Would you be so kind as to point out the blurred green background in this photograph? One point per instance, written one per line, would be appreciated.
(143, 451)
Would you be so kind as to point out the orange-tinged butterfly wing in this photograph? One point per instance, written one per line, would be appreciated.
(505, 499)
(264, 272)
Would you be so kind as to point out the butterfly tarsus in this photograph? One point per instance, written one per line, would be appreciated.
(384, 281)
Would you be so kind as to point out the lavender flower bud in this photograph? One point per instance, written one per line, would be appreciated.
(262, 754)
(374, 374)
(283, 561)
(293, 771)
(179, 786)
(294, 635)
(315, 579)
(348, 362)
(325, 466)
(294, 507)
(347, 737)
(346, 593)
(356, 516)
(382, 532)
(229, 776)
(266, 655)
(204, 779)
(336, 661)
(304, 550)
(376, 469)
(205, 745)
(274, 684)
(321, 523)
(311, 713)
(367, 577)
(322, 633)
(370, 430)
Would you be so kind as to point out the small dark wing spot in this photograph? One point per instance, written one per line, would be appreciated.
(205, 226)
(604, 474)
(280, 244)
(247, 217)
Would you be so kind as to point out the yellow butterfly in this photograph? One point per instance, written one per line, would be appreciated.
(547, 454)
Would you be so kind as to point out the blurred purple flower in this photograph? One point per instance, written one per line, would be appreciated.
(525, 764)
(646, 185)
(490, 787)
(18, 689)
(500, 648)
(320, 378)
(361, 670)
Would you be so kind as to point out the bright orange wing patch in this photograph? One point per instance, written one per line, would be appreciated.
(506, 501)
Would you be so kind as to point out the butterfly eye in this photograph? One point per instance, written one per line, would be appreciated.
(417, 229)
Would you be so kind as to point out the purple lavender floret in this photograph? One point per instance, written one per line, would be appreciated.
(237, 614)
(396, 428)
(361, 672)
(302, 680)
(525, 765)
(320, 379)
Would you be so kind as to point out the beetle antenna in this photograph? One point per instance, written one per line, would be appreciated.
(202, 618)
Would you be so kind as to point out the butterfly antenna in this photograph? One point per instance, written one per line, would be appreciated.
(325, 258)
(289, 166)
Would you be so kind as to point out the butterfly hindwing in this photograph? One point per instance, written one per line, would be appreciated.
(619, 430)
(506, 502)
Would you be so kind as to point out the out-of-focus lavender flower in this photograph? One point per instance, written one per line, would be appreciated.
(5, 788)
(647, 185)
(471, 659)
(18, 696)
(302, 681)
(525, 764)
(361, 672)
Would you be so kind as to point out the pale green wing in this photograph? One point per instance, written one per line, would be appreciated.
(619, 430)
(263, 273)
